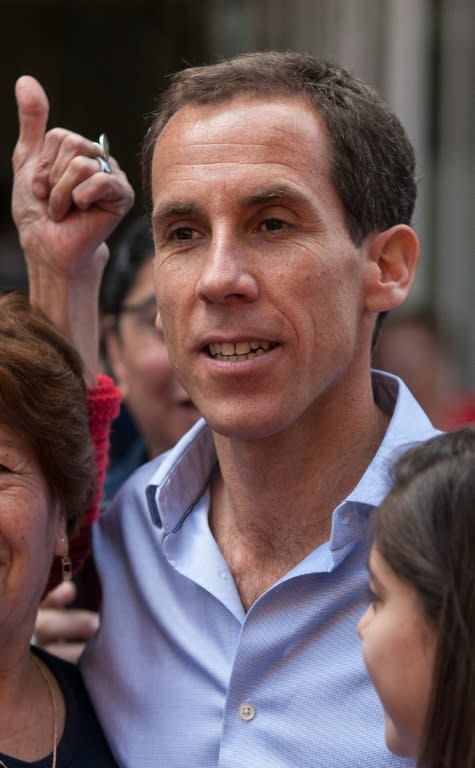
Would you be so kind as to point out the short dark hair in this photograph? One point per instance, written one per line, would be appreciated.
(372, 159)
(425, 531)
(43, 397)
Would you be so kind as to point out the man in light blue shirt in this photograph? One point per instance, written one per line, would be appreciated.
(281, 192)
(183, 675)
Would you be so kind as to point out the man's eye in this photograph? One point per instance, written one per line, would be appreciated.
(273, 225)
(182, 233)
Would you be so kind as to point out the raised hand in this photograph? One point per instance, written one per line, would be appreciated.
(61, 199)
(64, 207)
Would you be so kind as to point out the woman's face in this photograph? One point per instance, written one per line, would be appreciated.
(29, 524)
(398, 649)
(161, 408)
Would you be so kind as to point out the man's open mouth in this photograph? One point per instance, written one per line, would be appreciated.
(241, 350)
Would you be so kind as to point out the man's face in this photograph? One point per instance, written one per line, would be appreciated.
(259, 287)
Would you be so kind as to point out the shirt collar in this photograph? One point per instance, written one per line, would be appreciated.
(185, 471)
(408, 425)
(182, 477)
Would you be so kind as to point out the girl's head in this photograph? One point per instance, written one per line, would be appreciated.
(419, 631)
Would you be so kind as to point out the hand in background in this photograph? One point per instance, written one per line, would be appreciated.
(61, 630)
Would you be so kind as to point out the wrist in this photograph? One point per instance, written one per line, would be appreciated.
(69, 298)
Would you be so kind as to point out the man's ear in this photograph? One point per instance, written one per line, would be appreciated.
(392, 262)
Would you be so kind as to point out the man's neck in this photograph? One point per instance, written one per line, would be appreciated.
(273, 499)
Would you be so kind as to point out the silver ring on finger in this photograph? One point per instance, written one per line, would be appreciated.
(105, 146)
(103, 165)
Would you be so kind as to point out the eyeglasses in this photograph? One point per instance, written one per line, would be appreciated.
(145, 314)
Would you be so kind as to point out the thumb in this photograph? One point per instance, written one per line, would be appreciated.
(33, 109)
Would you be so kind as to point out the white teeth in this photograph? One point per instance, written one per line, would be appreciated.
(242, 350)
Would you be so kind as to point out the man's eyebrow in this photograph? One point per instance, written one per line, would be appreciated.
(282, 192)
(171, 209)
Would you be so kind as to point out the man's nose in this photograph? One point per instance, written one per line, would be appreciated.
(228, 271)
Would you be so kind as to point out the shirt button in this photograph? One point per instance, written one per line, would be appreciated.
(247, 712)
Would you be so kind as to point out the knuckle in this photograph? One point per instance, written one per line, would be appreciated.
(81, 165)
(72, 143)
(56, 134)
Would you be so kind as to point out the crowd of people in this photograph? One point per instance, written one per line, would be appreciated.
(233, 564)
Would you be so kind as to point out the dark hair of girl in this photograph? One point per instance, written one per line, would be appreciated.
(425, 531)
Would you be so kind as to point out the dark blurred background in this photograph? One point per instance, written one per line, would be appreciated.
(102, 63)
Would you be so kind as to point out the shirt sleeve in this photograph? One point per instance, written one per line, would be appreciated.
(103, 404)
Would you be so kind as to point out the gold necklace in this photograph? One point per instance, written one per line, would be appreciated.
(47, 676)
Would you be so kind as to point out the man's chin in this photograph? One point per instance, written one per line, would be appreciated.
(249, 430)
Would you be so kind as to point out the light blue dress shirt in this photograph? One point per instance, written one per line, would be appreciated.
(182, 677)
